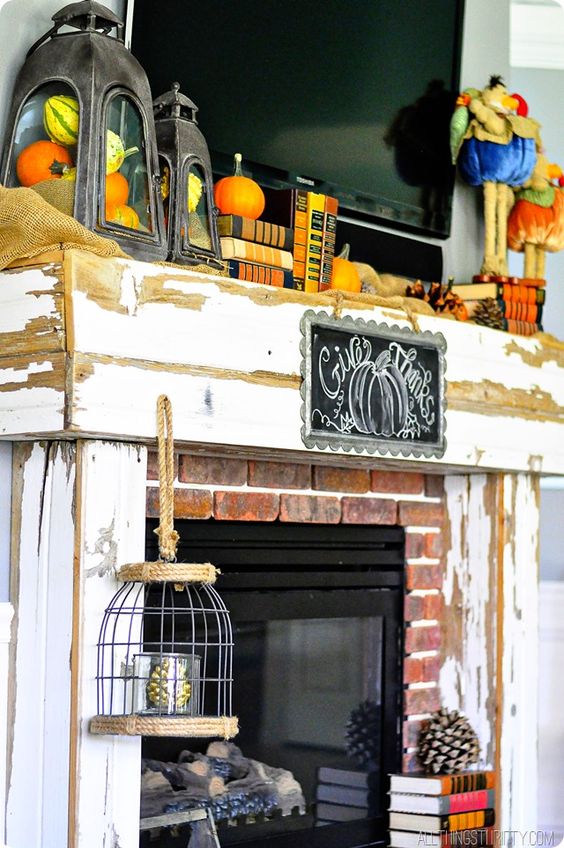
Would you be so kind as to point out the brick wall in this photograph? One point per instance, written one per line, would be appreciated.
(237, 490)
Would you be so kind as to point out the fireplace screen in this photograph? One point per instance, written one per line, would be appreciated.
(317, 618)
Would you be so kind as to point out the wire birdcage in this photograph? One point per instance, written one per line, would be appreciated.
(165, 655)
(165, 649)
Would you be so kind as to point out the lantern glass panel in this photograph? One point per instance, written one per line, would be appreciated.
(33, 123)
(166, 188)
(196, 213)
(125, 152)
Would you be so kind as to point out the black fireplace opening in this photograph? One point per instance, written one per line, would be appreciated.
(317, 615)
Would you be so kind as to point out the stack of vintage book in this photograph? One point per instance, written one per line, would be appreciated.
(442, 811)
(257, 251)
(312, 217)
(520, 302)
(344, 794)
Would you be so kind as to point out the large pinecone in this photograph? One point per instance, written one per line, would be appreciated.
(440, 297)
(447, 743)
(488, 313)
(363, 733)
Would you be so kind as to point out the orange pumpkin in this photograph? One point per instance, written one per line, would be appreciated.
(42, 160)
(239, 195)
(124, 215)
(345, 276)
(117, 190)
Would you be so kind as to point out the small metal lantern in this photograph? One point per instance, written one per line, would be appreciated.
(187, 186)
(82, 113)
(165, 655)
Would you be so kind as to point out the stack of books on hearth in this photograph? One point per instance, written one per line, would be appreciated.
(443, 811)
(312, 217)
(344, 794)
(517, 301)
(257, 251)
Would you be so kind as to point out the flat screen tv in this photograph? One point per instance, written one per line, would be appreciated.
(350, 99)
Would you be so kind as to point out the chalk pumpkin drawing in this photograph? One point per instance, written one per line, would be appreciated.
(372, 387)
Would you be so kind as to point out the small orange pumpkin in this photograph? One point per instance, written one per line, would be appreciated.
(41, 160)
(117, 190)
(345, 276)
(239, 195)
(124, 215)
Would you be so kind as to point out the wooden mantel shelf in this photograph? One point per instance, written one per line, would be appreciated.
(87, 344)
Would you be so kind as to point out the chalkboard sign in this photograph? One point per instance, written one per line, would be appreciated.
(372, 387)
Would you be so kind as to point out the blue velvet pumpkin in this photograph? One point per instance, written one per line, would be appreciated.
(486, 161)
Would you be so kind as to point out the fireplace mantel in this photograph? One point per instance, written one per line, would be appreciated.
(87, 344)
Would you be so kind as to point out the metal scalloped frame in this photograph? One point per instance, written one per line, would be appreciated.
(372, 444)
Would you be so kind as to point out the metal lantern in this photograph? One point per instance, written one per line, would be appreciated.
(165, 655)
(81, 131)
(190, 212)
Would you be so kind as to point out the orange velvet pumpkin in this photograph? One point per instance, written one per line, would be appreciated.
(345, 276)
(239, 195)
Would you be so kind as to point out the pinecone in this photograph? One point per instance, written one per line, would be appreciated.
(440, 297)
(447, 743)
(363, 733)
(488, 313)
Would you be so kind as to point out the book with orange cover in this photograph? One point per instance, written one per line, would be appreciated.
(443, 784)
(315, 222)
(288, 208)
(510, 309)
(440, 824)
(232, 248)
(505, 291)
(460, 802)
(328, 245)
(475, 838)
(259, 231)
(252, 272)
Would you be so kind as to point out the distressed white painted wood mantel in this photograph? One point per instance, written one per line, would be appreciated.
(86, 347)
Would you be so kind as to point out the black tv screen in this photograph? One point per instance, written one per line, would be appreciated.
(350, 99)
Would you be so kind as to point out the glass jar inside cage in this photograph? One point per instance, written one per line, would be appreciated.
(45, 144)
(166, 684)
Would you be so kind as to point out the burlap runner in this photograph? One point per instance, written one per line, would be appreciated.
(30, 226)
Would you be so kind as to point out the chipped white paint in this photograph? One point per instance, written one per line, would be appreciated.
(6, 613)
(111, 533)
(21, 375)
(38, 761)
(465, 681)
(34, 411)
(25, 296)
(232, 349)
(519, 718)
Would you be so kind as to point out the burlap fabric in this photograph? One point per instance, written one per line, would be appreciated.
(30, 226)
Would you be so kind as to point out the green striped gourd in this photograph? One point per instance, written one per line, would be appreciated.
(61, 119)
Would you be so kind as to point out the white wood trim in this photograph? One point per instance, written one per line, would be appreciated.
(467, 677)
(519, 713)
(110, 533)
(6, 615)
(43, 544)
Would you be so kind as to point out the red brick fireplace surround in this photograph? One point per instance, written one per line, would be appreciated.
(237, 490)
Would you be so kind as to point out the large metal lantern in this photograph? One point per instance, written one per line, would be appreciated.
(81, 130)
(190, 211)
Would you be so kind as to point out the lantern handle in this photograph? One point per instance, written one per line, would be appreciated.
(82, 16)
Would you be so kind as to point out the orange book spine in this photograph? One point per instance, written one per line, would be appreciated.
(315, 215)
(300, 239)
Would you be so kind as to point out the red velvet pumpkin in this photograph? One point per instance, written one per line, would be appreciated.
(345, 276)
(239, 195)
